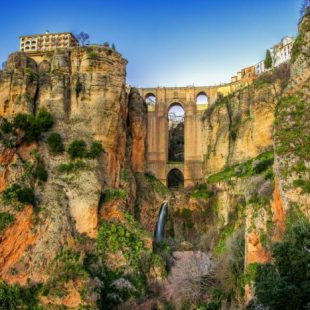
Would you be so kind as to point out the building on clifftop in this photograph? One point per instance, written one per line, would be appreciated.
(47, 41)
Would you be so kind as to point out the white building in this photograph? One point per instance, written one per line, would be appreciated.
(47, 41)
(260, 67)
(281, 52)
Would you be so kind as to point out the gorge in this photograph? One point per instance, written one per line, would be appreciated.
(89, 217)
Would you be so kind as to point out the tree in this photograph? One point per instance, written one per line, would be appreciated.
(113, 47)
(304, 7)
(77, 149)
(285, 284)
(268, 60)
(82, 37)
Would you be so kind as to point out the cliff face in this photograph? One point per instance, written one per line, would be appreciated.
(240, 126)
(292, 129)
(84, 91)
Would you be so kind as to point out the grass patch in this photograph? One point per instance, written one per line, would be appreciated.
(251, 167)
(113, 194)
(202, 192)
(227, 231)
(73, 166)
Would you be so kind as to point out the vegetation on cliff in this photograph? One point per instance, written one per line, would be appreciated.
(285, 283)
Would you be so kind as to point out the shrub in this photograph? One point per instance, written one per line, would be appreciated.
(33, 126)
(229, 270)
(114, 237)
(77, 149)
(6, 127)
(44, 120)
(16, 297)
(93, 54)
(285, 284)
(55, 143)
(305, 185)
(66, 266)
(5, 220)
(72, 166)
(190, 279)
(95, 150)
(202, 192)
(263, 165)
(113, 194)
(120, 238)
(17, 193)
(39, 172)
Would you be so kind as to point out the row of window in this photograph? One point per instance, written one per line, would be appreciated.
(46, 41)
(61, 36)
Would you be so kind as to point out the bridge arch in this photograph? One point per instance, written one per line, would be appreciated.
(175, 178)
(176, 133)
(150, 98)
(202, 98)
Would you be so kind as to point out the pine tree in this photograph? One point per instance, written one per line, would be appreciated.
(268, 60)
(113, 47)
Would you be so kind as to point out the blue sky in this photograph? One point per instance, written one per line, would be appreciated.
(167, 42)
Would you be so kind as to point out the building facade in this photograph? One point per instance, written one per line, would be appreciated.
(260, 67)
(281, 52)
(47, 42)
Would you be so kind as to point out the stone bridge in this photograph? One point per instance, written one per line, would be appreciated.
(162, 99)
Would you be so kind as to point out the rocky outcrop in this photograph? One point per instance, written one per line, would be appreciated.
(17, 239)
(84, 90)
(240, 126)
(137, 120)
(292, 129)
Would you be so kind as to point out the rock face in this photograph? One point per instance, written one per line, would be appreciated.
(84, 90)
(240, 126)
(292, 130)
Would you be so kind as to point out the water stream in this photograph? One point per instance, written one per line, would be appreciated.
(159, 232)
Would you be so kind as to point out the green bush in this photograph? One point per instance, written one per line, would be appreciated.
(113, 194)
(73, 166)
(55, 143)
(113, 237)
(263, 165)
(285, 284)
(16, 193)
(156, 184)
(95, 150)
(39, 172)
(6, 127)
(93, 54)
(44, 120)
(77, 149)
(14, 297)
(202, 192)
(66, 266)
(305, 185)
(5, 220)
(33, 126)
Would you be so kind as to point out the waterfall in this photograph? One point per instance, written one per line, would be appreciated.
(159, 232)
